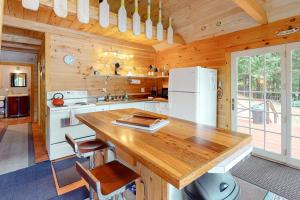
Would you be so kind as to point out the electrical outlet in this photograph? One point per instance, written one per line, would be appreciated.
(142, 89)
(103, 89)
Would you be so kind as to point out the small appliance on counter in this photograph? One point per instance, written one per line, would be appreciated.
(153, 91)
(58, 99)
(164, 93)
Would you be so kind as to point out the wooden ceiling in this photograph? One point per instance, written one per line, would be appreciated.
(199, 19)
(21, 40)
(192, 19)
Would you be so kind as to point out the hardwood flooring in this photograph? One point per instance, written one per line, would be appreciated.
(40, 152)
(14, 121)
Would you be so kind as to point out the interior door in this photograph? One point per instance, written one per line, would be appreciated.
(293, 108)
(258, 103)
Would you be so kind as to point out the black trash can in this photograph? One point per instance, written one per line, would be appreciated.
(213, 187)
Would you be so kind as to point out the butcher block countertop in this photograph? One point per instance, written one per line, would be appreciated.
(179, 153)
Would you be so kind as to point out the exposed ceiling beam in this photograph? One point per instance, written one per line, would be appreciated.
(20, 39)
(113, 18)
(19, 50)
(253, 9)
(1, 17)
(19, 46)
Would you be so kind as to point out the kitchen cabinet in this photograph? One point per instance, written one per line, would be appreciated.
(102, 108)
(164, 108)
(138, 105)
(18, 106)
(152, 106)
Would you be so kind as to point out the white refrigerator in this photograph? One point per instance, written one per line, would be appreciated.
(193, 94)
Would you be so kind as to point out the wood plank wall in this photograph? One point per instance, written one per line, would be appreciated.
(215, 53)
(89, 53)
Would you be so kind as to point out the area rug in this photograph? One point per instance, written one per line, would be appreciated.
(16, 148)
(35, 183)
(271, 176)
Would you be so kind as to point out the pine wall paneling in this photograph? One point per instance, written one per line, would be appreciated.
(89, 53)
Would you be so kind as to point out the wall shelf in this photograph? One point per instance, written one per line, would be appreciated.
(131, 76)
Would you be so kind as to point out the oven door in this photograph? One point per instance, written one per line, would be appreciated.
(59, 125)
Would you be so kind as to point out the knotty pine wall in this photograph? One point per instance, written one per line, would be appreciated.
(216, 52)
(88, 53)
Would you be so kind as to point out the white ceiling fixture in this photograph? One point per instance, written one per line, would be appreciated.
(160, 28)
(170, 32)
(122, 17)
(288, 31)
(136, 20)
(83, 11)
(31, 4)
(149, 23)
(61, 8)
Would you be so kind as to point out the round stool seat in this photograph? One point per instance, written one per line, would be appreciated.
(91, 146)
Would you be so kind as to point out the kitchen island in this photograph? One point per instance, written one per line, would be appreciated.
(170, 158)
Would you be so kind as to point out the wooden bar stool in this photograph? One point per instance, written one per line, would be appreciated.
(89, 148)
(108, 180)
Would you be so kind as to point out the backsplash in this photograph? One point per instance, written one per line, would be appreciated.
(89, 57)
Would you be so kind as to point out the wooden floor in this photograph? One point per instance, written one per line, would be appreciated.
(14, 121)
(40, 152)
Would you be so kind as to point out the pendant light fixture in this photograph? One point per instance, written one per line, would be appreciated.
(61, 8)
(122, 17)
(104, 14)
(136, 20)
(170, 32)
(149, 23)
(160, 28)
(31, 4)
(83, 11)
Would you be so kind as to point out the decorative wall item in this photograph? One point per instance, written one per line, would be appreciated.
(104, 14)
(69, 59)
(170, 32)
(31, 4)
(122, 17)
(83, 11)
(160, 28)
(136, 20)
(149, 23)
(117, 67)
(61, 8)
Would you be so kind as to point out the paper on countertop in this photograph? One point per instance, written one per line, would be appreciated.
(155, 127)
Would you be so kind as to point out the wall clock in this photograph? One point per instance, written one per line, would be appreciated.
(69, 59)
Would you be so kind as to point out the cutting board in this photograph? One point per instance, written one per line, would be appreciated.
(140, 120)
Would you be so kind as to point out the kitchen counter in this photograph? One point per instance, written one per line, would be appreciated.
(178, 153)
(17, 95)
(132, 101)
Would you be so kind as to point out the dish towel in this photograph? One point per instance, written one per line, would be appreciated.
(73, 119)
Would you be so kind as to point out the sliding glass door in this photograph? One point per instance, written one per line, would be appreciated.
(266, 100)
(257, 103)
(293, 118)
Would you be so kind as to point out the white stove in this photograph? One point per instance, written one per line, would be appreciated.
(62, 120)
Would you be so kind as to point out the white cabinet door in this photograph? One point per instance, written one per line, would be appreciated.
(152, 106)
(138, 105)
(102, 108)
(163, 108)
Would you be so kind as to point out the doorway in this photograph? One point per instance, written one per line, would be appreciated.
(266, 99)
